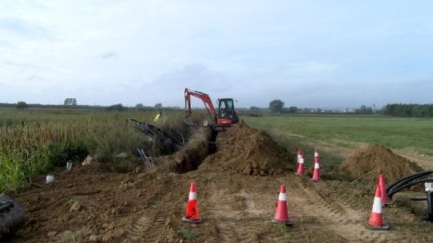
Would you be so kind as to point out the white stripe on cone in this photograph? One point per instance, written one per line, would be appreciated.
(192, 196)
(282, 197)
(316, 166)
(377, 205)
(316, 154)
(301, 160)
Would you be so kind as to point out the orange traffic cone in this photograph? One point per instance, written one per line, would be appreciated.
(300, 171)
(192, 215)
(316, 172)
(376, 218)
(384, 198)
(281, 214)
(299, 154)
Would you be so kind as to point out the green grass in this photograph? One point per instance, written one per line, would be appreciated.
(396, 133)
(345, 131)
(186, 234)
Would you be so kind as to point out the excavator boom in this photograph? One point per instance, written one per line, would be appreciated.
(204, 97)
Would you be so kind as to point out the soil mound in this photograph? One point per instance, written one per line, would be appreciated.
(248, 151)
(366, 164)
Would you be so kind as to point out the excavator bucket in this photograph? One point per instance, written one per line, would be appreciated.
(188, 121)
(12, 216)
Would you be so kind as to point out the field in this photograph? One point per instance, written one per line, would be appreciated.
(116, 199)
(342, 134)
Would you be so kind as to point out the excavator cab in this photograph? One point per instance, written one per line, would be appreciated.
(227, 114)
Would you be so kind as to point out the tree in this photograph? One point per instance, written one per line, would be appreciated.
(22, 105)
(158, 105)
(364, 110)
(293, 109)
(70, 102)
(276, 106)
(116, 107)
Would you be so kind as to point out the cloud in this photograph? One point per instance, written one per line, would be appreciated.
(23, 28)
(312, 67)
(34, 77)
(109, 55)
(20, 65)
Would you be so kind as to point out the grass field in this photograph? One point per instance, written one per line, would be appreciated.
(32, 142)
(347, 131)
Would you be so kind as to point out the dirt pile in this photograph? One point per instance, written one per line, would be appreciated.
(249, 151)
(366, 164)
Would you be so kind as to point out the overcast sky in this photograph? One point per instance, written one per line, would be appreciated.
(306, 53)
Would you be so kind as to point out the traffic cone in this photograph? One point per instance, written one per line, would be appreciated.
(376, 217)
(300, 171)
(316, 172)
(192, 214)
(384, 197)
(281, 214)
(299, 155)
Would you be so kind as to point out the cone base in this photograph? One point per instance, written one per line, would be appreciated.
(287, 222)
(300, 174)
(195, 221)
(385, 226)
(315, 179)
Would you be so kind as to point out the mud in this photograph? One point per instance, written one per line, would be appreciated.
(366, 163)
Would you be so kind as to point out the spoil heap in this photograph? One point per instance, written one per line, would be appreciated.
(248, 151)
(366, 164)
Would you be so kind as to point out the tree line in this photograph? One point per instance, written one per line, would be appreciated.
(275, 106)
(71, 103)
(408, 110)
(401, 110)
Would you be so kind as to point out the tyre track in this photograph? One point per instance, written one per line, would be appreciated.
(151, 226)
(223, 208)
(338, 217)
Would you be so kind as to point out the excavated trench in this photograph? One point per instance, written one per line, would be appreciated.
(238, 149)
(195, 151)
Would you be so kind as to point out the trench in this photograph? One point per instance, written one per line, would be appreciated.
(185, 152)
(201, 144)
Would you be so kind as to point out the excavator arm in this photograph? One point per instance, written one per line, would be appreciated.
(206, 100)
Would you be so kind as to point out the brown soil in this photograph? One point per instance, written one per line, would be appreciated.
(249, 151)
(366, 163)
(93, 204)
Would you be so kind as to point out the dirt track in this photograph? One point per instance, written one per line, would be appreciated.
(91, 204)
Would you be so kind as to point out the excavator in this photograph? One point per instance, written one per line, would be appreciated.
(224, 117)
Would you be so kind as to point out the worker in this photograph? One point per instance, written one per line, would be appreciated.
(157, 117)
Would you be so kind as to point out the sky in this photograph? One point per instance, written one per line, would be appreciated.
(306, 53)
